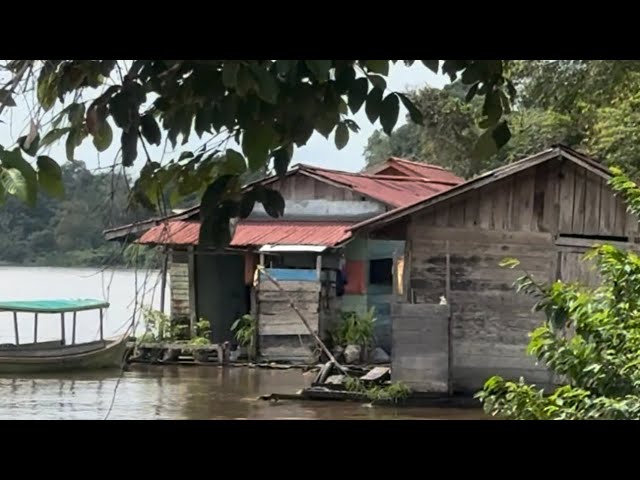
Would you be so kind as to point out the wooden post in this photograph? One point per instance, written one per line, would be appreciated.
(449, 328)
(319, 266)
(193, 317)
(73, 331)
(163, 280)
(15, 327)
(35, 328)
(101, 325)
(62, 328)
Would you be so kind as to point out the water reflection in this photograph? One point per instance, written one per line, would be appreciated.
(151, 392)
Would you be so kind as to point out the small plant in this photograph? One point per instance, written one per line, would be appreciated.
(394, 392)
(245, 329)
(202, 333)
(159, 328)
(355, 329)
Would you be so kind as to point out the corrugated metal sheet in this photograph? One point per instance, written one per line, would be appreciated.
(179, 232)
(390, 189)
(427, 171)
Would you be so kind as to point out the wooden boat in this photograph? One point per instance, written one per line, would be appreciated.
(59, 355)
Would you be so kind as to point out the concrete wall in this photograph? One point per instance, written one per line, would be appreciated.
(420, 346)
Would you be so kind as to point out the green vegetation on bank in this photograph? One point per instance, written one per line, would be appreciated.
(67, 232)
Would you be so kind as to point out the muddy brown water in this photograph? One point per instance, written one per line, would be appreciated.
(187, 392)
(151, 392)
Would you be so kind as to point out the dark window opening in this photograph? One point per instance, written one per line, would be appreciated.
(381, 271)
(609, 238)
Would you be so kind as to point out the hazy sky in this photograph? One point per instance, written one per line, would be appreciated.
(318, 151)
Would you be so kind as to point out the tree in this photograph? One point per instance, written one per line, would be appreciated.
(450, 133)
(268, 107)
(599, 358)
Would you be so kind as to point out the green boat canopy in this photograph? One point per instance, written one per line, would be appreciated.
(52, 306)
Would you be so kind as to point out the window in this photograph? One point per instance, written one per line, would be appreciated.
(381, 271)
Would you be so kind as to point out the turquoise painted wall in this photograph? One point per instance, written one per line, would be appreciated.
(378, 296)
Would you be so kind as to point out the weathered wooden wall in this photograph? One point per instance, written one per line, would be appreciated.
(420, 349)
(282, 335)
(179, 284)
(302, 187)
(524, 216)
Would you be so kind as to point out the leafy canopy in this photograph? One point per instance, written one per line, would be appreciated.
(590, 339)
(268, 107)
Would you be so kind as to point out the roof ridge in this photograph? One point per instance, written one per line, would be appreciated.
(421, 164)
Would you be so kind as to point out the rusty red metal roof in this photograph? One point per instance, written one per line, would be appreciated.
(254, 233)
(393, 190)
(410, 168)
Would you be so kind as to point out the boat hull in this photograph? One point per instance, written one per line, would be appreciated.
(51, 359)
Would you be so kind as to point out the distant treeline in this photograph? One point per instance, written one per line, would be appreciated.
(68, 232)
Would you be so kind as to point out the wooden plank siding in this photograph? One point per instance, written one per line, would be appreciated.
(521, 216)
(302, 187)
(179, 282)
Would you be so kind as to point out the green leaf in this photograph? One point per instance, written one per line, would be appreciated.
(342, 136)
(14, 183)
(120, 107)
(50, 176)
(415, 114)
(389, 111)
(273, 203)
(32, 148)
(245, 81)
(47, 90)
(326, 122)
(378, 81)
(319, 69)
(256, 141)
(150, 129)
(492, 107)
(358, 93)
(284, 67)
(6, 98)
(74, 139)
(501, 134)
(53, 135)
(234, 163)
(378, 66)
(353, 126)
(247, 202)
(203, 121)
(267, 85)
(103, 137)
(76, 113)
(230, 74)
(431, 65)
(13, 159)
(281, 159)
(471, 92)
(485, 146)
(373, 104)
(129, 143)
(471, 74)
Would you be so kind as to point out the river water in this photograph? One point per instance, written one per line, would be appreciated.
(150, 392)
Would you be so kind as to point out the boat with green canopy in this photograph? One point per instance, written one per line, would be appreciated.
(32, 356)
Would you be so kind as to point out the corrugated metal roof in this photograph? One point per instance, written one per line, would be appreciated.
(416, 169)
(391, 189)
(254, 233)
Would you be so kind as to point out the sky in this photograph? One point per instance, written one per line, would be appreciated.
(318, 151)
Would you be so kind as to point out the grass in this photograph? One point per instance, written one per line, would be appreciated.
(394, 392)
